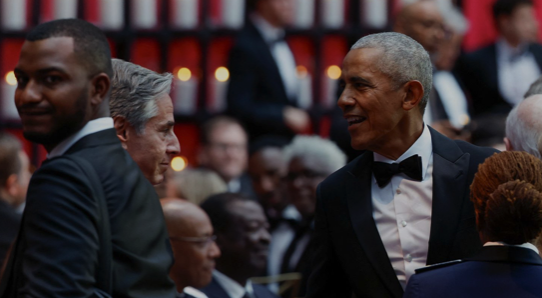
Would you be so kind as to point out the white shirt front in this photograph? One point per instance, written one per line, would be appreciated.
(402, 211)
(91, 127)
(517, 70)
(452, 97)
(233, 288)
(281, 53)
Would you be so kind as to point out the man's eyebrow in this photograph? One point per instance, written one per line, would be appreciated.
(360, 80)
(42, 71)
(170, 123)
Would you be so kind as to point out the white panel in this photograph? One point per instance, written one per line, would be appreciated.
(374, 13)
(9, 110)
(144, 14)
(13, 14)
(186, 93)
(332, 13)
(111, 14)
(233, 13)
(185, 14)
(65, 9)
(304, 14)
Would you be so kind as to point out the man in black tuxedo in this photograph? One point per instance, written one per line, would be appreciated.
(497, 76)
(93, 225)
(14, 179)
(243, 238)
(404, 202)
(262, 91)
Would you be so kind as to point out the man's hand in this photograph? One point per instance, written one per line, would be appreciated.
(296, 119)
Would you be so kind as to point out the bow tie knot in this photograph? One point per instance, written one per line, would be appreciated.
(412, 167)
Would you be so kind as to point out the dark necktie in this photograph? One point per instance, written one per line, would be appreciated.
(383, 172)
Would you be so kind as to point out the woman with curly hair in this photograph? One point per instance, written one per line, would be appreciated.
(507, 197)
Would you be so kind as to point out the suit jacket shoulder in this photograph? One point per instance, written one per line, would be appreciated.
(261, 291)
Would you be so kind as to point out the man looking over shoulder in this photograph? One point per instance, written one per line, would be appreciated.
(404, 202)
(143, 114)
(89, 188)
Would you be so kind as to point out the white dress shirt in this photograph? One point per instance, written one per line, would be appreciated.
(524, 245)
(91, 127)
(281, 53)
(233, 288)
(402, 211)
(281, 237)
(517, 70)
(452, 97)
(194, 292)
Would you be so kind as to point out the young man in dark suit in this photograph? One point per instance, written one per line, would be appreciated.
(263, 86)
(404, 202)
(243, 238)
(89, 188)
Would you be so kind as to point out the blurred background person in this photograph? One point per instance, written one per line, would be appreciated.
(195, 185)
(310, 160)
(267, 170)
(14, 179)
(143, 114)
(242, 235)
(535, 88)
(507, 196)
(497, 76)
(524, 127)
(224, 149)
(263, 87)
(193, 244)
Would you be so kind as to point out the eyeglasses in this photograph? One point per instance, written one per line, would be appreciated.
(204, 241)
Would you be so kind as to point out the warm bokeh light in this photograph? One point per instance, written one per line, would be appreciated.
(178, 163)
(301, 71)
(11, 79)
(222, 74)
(184, 74)
(334, 72)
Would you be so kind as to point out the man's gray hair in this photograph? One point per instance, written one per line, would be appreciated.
(320, 152)
(535, 88)
(524, 126)
(403, 60)
(134, 91)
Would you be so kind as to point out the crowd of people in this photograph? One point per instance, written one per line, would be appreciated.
(417, 209)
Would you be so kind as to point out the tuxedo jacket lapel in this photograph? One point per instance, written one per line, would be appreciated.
(450, 167)
(361, 214)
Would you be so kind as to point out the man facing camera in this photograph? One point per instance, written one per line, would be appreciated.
(404, 202)
(143, 114)
(193, 243)
(92, 226)
(241, 229)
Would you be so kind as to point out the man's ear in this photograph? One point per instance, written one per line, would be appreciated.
(121, 126)
(414, 94)
(100, 88)
(508, 144)
(11, 185)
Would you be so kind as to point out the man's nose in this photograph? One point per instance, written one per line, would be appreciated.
(31, 93)
(173, 148)
(346, 99)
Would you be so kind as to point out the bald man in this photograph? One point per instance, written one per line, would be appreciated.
(524, 127)
(193, 243)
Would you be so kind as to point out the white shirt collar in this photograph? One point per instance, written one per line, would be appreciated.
(268, 31)
(233, 288)
(524, 245)
(91, 127)
(423, 147)
(505, 50)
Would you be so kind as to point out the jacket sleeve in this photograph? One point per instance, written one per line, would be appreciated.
(328, 279)
(60, 233)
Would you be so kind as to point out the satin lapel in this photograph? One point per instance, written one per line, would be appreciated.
(361, 215)
(450, 168)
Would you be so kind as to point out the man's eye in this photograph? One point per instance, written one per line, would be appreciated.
(21, 80)
(52, 79)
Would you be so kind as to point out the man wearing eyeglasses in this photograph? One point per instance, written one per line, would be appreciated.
(193, 243)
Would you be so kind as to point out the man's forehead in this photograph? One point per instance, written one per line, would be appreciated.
(46, 51)
(362, 60)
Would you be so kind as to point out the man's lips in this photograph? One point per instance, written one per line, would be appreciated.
(353, 119)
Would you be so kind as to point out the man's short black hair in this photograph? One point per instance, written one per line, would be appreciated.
(90, 43)
(214, 123)
(218, 210)
(267, 141)
(507, 7)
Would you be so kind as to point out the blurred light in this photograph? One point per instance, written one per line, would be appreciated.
(222, 74)
(301, 71)
(334, 72)
(11, 79)
(184, 74)
(178, 163)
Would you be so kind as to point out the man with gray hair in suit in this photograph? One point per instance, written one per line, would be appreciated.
(143, 114)
(524, 126)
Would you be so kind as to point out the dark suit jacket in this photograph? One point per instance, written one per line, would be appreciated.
(215, 290)
(57, 252)
(9, 226)
(256, 92)
(498, 271)
(349, 254)
(479, 73)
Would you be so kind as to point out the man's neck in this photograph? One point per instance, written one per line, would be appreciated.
(235, 274)
(394, 146)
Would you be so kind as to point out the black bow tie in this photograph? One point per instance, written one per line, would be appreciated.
(412, 167)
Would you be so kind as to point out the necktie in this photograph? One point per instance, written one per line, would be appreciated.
(412, 167)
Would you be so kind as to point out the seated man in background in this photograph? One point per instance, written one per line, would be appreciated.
(195, 185)
(243, 238)
(310, 160)
(224, 150)
(507, 197)
(267, 170)
(143, 114)
(14, 179)
(193, 243)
